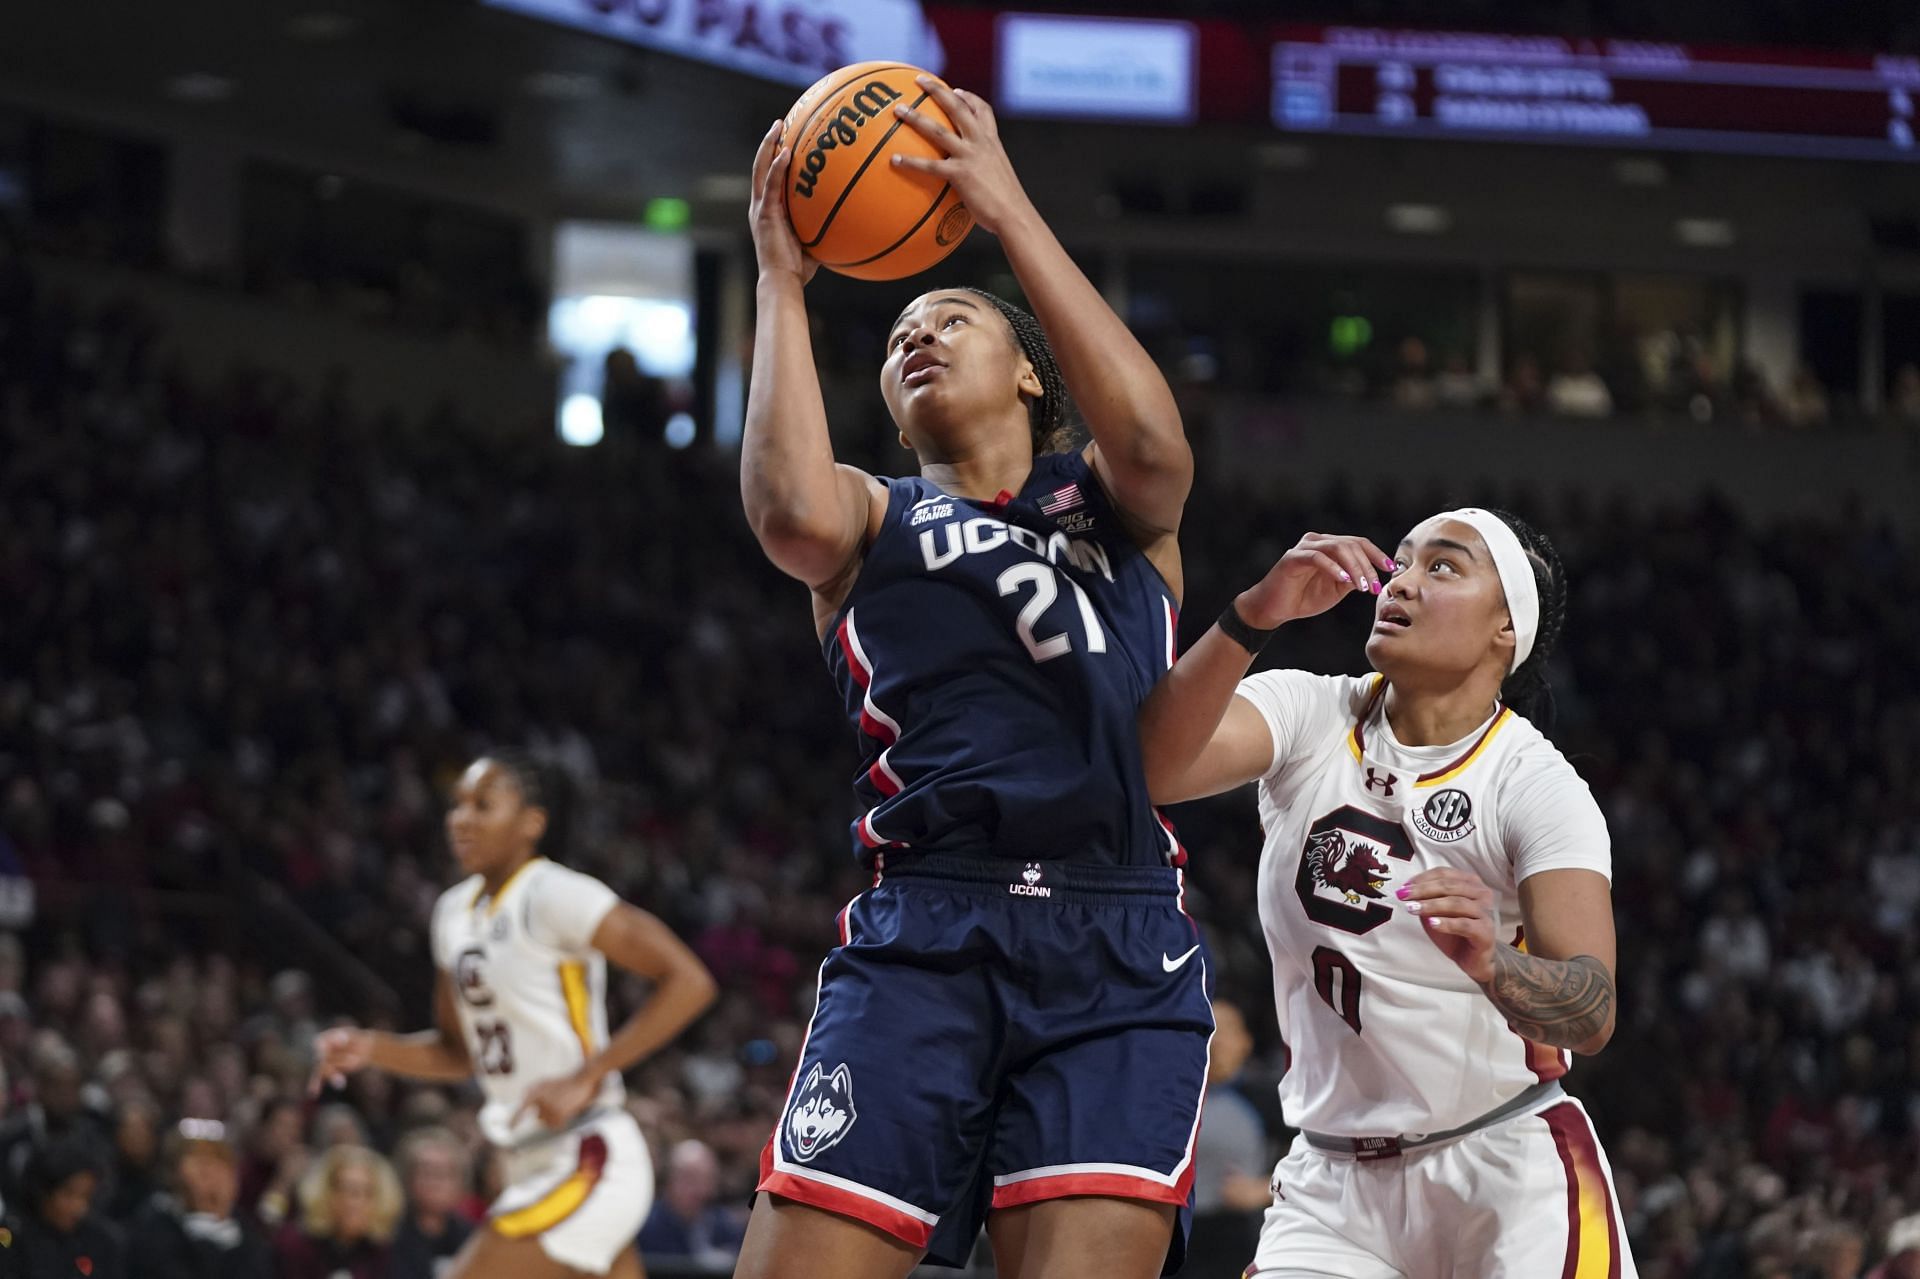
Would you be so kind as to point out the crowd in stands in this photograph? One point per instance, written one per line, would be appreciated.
(250, 632)
(1683, 383)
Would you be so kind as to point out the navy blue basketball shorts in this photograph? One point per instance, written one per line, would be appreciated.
(994, 1033)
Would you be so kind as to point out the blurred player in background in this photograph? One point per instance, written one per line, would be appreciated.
(1016, 1019)
(522, 947)
(1411, 818)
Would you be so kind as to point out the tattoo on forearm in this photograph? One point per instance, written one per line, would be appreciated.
(1561, 1002)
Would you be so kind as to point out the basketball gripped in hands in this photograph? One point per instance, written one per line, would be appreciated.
(852, 209)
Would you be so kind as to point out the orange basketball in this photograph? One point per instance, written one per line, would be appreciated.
(854, 212)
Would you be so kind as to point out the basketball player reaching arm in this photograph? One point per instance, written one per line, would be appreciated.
(1413, 816)
(813, 516)
(522, 947)
(992, 623)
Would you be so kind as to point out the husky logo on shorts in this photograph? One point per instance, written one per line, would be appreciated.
(822, 1112)
(1030, 885)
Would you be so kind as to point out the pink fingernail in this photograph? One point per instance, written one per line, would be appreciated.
(1344, 576)
(1376, 587)
(1386, 564)
(1403, 892)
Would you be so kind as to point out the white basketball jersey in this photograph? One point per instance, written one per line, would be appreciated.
(1387, 1036)
(530, 987)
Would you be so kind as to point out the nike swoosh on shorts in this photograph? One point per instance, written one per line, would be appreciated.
(1172, 965)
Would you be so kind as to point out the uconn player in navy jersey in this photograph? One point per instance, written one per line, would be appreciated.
(1014, 1027)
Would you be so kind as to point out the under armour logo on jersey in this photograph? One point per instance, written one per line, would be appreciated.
(1381, 782)
(822, 1112)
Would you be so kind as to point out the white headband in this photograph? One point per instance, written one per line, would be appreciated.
(1516, 575)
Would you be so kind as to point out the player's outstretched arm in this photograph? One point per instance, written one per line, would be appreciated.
(439, 1054)
(1140, 447)
(1559, 990)
(809, 513)
(1196, 737)
(632, 939)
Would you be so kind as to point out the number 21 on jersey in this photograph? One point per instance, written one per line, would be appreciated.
(1040, 579)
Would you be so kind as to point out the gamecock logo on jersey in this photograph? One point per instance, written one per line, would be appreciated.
(821, 1113)
(1345, 866)
(470, 978)
(1352, 870)
(1445, 818)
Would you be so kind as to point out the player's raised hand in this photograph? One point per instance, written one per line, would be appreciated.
(774, 242)
(1456, 910)
(976, 161)
(1312, 577)
(558, 1102)
(337, 1053)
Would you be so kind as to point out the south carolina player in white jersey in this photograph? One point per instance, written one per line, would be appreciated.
(1435, 892)
(522, 947)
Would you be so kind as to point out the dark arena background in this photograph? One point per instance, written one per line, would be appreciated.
(372, 377)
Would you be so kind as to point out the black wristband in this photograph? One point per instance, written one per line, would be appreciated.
(1235, 628)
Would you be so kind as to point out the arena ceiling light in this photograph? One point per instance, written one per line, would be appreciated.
(1704, 233)
(724, 186)
(198, 86)
(564, 86)
(1639, 171)
(1419, 219)
(322, 26)
(1283, 155)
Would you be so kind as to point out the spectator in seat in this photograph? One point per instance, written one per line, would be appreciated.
(350, 1203)
(1903, 404)
(1805, 405)
(686, 1220)
(1577, 391)
(434, 1171)
(1232, 1164)
(59, 1235)
(191, 1231)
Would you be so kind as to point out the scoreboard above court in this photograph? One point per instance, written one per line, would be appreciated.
(1600, 92)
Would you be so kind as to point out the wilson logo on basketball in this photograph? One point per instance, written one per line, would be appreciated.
(842, 130)
(954, 225)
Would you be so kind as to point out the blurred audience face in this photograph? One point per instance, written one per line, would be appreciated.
(338, 1126)
(57, 1084)
(351, 1196)
(134, 1136)
(279, 1132)
(436, 1180)
(209, 1180)
(693, 1178)
(66, 1205)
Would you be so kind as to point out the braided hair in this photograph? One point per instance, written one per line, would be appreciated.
(1046, 416)
(1526, 688)
(542, 787)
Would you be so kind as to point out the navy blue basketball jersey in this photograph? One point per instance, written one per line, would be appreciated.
(993, 657)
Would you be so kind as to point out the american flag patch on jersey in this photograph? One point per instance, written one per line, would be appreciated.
(1063, 500)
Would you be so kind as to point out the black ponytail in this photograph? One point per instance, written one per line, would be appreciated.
(1526, 689)
(1046, 416)
(544, 787)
